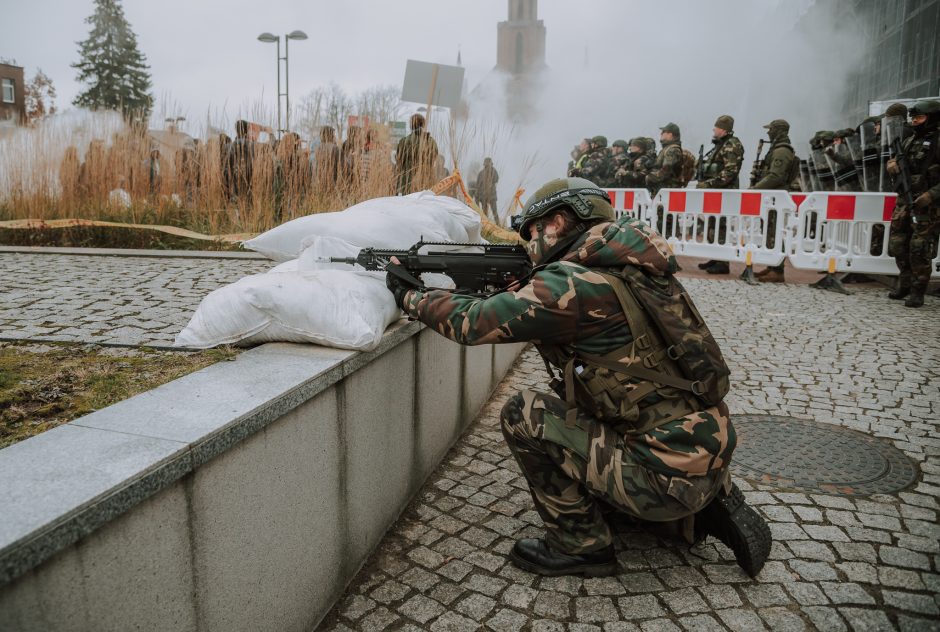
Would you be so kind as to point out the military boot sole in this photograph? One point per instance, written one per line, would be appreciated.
(605, 569)
(914, 300)
(740, 528)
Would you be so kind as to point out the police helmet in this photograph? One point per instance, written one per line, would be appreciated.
(584, 198)
(928, 106)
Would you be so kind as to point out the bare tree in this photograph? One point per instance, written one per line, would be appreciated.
(40, 97)
(380, 103)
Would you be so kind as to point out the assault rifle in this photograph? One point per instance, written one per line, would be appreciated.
(700, 169)
(474, 273)
(755, 170)
(903, 178)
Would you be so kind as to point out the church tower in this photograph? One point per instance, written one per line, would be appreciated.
(520, 41)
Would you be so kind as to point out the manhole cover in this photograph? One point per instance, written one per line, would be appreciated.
(813, 457)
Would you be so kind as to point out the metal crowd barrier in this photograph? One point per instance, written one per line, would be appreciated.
(633, 202)
(724, 225)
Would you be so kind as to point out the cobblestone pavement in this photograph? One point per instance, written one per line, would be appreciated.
(99, 299)
(837, 563)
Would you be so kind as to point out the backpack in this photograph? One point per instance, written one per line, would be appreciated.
(673, 353)
(688, 167)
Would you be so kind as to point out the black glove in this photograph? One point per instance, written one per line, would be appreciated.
(399, 281)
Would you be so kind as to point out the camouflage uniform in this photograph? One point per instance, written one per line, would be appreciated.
(914, 232)
(596, 166)
(666, 173)
(618, 161)
(780, 169)
(723, 164)
(667, 473)
(632, 175)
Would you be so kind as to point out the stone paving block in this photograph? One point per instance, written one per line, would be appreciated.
(595, 609)
(683, 601)
(766, 595)
(856, 551)
(895, 556)
(846, 593)
(552, 604)
(740, 620)
(912, 624)
(922, 604)
(506, 620)
(782, 620)
(453, 622)
(813, 571)
(659, 625)
(421, 609)
(640, 607)
(864, 620)
(701, 623)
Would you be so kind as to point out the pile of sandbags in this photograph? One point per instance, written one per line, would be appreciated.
(308, 299)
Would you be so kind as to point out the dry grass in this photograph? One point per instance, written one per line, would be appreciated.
(71, 167)
(44, 386)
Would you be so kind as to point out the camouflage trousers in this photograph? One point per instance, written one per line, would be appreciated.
(571, 469)
(914, 246)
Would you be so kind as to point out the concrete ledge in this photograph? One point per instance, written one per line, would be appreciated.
(133, 252)
(291, 462)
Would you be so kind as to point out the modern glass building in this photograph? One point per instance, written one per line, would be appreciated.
(902, 59)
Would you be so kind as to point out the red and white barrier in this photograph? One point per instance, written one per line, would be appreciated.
(633, 202)
(843, 232)
(689, 219)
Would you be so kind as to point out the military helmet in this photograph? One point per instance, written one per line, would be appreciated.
(928, 106)
(620, 143)
(896, 109)
(845, 133)
(725, 122)
(581, 196)
(778, 124)
(600, 141)
(672, 128)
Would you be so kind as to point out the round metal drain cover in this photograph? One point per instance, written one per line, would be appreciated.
(813, 457)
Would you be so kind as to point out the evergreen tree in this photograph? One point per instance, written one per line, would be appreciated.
(114, 69)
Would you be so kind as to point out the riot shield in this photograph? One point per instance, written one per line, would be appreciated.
(840, 162)
(806, 181)
(854, 143)
(813, 173)
(891, 127)
(871, 156)
(823, 171)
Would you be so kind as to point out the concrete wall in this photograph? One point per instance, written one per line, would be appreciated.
(242, 497)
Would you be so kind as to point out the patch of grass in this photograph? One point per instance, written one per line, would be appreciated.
(44, 386)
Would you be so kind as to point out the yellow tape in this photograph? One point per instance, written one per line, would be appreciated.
(39, 224)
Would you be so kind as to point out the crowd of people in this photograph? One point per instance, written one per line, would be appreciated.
(285, 175)
(887, 153)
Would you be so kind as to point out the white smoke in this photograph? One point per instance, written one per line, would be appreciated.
(625, 69)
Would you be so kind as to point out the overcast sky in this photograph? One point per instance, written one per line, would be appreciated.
(648, 62)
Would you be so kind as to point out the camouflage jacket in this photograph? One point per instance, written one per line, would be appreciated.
(618, 162)
(568, 304)
(596, 166)
(923, 154)
(632, 175)
(780, 168)
(667, 172)
(723, 165)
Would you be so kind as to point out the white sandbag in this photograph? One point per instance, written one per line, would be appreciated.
(389, 222)
(287, 266)
(335, 308)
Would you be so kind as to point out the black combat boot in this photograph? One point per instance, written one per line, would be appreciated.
(707, 264)
(718, 267)
(916, 299)
(899, 292)
(535, 556)
(729, 518)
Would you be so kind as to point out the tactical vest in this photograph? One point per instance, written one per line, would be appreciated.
(923, 152)
(672, 367)
(793, 173)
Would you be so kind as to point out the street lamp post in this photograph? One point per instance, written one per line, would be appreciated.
(268, 38)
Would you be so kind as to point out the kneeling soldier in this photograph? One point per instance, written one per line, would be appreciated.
(631, 429)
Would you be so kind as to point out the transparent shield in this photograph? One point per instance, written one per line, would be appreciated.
(843, 167)
(854, 144)
(871, 156)
(827, 181)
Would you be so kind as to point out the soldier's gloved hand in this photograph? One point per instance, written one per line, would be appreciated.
(923, 200)
(701, 185)
(399, 281)
(892, 167)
